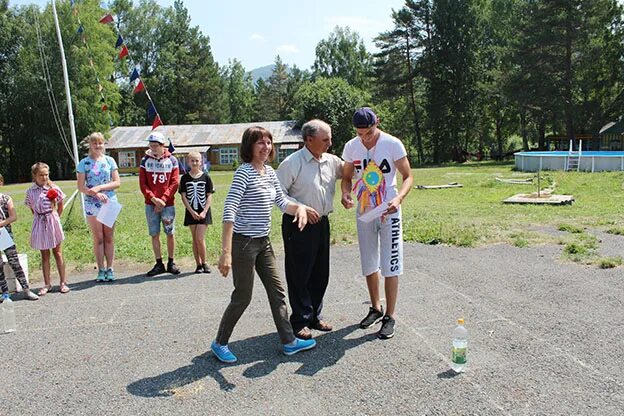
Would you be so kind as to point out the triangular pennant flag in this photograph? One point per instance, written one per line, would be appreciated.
(134, 75)
(104, 107)
(106, 19)
(139, 87)
(171, 147)
(119, 41)
(124, 52)
(157, 122)
(151, 111)
(80, 29)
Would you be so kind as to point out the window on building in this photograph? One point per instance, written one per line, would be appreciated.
(284, 153)
(127, 160)
(227, 155)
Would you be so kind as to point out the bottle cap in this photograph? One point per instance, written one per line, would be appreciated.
(460, 321)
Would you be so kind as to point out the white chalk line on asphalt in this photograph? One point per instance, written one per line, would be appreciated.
(546, 342)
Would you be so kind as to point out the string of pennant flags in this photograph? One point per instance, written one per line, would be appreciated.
(135, 75)
(81, 32)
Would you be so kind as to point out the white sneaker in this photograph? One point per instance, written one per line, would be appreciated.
(30, 295)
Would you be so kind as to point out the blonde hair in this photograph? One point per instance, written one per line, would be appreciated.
(193, 154)
(96, 136)
(37, 167)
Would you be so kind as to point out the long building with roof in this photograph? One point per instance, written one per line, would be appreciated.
(217, 143)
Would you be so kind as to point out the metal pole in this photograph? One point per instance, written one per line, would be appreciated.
(70, 110)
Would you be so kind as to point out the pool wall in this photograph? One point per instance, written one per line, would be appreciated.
(588, 162)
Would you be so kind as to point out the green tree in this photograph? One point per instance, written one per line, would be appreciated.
(240, 92)
(332, 100)
(274, 97)
(495, 110)
(452, 91)
(176, 65)
(343, 55)
(402, 67)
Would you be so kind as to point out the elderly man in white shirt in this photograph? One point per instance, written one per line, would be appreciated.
(309, 177)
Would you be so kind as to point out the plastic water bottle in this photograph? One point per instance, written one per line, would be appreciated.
(460, 347)
(8, 315)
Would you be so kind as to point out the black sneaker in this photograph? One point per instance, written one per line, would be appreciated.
(206, 268)
(199, 268)
(372, 318)
(387, 328)
(172, 268)
(158, 268)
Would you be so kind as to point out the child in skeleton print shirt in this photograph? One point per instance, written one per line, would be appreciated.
(196, 189)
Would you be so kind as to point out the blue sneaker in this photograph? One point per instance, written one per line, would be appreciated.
(223, 353)
(109, 275)
(300, 345)
(101, 276)
(4, 297)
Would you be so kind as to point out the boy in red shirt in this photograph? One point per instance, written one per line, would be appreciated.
(159, 176)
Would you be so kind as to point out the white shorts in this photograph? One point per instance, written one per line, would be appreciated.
(381, 245)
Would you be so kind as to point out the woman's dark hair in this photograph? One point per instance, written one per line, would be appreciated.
(250, 137)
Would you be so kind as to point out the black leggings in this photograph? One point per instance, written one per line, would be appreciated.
(11, 254)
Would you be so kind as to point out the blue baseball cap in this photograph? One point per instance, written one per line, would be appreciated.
(364, 118)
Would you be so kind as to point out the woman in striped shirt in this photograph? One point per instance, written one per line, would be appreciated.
(246, 245)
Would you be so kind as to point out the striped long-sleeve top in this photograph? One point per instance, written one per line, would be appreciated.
(250, 199)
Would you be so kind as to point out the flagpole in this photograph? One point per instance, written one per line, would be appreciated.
(70, 110)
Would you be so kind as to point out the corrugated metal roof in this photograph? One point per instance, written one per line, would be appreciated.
(186, 150)
(202, 134)
(294, 146)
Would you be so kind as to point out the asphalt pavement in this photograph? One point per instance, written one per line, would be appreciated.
(545, 337)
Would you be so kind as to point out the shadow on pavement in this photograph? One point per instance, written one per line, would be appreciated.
(448, 374)
(258, 350)
(129, 280)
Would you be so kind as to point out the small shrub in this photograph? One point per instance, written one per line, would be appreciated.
(570, 228)
(520, 242)
(575, 249)
(609, 262)
(616, 231)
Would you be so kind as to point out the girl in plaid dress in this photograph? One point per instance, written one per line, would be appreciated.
(45, 200)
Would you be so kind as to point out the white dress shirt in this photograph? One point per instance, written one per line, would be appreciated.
(311, 181)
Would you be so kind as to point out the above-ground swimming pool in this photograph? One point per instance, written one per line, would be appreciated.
(588, 161)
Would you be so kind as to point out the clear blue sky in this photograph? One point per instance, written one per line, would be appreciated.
(254, 32)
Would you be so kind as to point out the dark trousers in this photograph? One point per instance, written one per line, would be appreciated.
(307, 269)
(13, 259)
(249, 254)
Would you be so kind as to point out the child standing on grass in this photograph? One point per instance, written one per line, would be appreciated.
(196, 189)
(98, 177)
(159, 176)
(8, 215)
(45, 200)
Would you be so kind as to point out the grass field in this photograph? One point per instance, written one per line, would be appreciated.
(469, 216)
